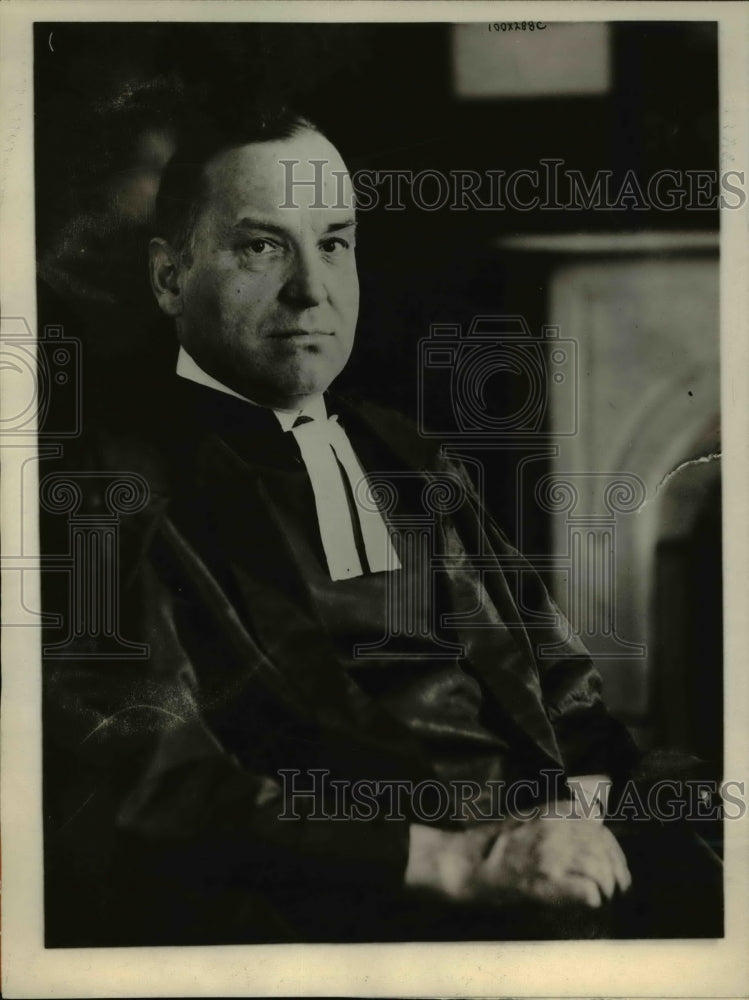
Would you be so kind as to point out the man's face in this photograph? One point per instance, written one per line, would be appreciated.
(270, 295)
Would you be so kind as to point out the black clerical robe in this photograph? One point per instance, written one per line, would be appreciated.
(163, 776)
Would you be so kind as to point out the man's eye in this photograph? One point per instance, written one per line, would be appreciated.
(335, 245)
(258, 247)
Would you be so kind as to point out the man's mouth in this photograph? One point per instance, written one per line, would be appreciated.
(297, 333)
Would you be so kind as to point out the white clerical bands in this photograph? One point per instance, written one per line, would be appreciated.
(324, 444)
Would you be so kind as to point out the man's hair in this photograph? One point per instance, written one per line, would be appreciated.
(182, 187)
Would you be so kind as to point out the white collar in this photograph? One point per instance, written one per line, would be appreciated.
(191, 370)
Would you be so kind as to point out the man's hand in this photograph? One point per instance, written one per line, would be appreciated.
(551, 859)
(555, 860)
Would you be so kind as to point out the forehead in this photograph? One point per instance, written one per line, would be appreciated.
(279, 179)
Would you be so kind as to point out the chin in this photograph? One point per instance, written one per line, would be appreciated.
(311, 383)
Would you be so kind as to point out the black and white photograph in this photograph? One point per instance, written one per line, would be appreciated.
(374, 553)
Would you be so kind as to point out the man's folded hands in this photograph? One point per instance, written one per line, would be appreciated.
(556, 858)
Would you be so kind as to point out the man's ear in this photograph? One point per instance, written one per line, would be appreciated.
(165, 276)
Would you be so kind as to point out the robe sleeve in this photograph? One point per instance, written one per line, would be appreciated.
(150, 819)
(590, 739)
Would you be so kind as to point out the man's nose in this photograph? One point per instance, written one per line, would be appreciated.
(305, 283)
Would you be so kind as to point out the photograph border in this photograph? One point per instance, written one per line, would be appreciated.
(532, 969)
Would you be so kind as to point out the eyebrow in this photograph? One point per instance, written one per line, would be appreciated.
(271, 227)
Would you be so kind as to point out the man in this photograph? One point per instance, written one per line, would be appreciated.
(224, 777)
